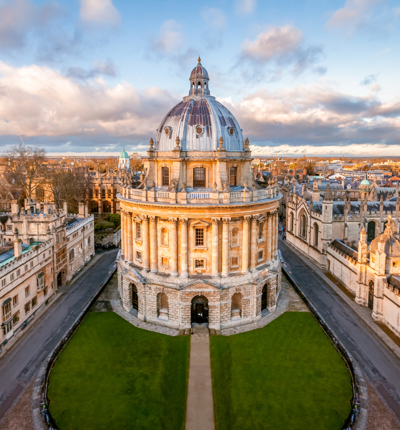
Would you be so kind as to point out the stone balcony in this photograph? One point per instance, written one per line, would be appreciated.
(200, 195)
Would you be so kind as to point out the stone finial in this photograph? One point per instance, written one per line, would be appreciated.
(215, 189)
(247, 143)
(328, 193)
(184, 187)
(221, 143)
(151, 144)
(245, 186)
(178, 143)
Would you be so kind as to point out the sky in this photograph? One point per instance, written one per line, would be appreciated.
(90, 77)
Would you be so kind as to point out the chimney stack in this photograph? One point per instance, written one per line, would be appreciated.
(65, 208)
(81, 210)
(17, 245)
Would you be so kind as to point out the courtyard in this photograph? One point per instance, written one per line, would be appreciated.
(286, 375)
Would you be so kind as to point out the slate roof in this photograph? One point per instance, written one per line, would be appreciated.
(352, 253)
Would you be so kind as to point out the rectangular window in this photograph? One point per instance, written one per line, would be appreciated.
(164, 261)
(260, 255)
(34, 302)
(6, 310)
(260, 230)
(9, 227)
(138, 231)
(16, 318)
(138, 256)
(27, 291)
(12, 277)
(199, 236)
(27, 307)
(103, 194)
(31, 264)
(199, 177)
(15, 300)
(3, 282)
(45, 291)
(233, 176)
(165, 175)
(235, 261)
(199, 264)
(26, 267)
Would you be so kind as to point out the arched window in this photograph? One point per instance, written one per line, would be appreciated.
(303, 226)
(233, 176)
(371, 288)
(71, 255)
(199, 177)
(316, 234)
(164, 236)
(371, 231)
(264, 298)
(165, 175)
(40, 281)
(260, 230)
(291, 221)
(162, 306)
(235, 236)
(236, 306)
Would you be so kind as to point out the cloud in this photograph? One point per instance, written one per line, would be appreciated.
(38, 101)
(370, 79)
(317, 115)
(169, 39)
(280, 48)
(245, 7)
(356, 14)
(99, 12)
(20, 17)
(101, 67)
(215, 17)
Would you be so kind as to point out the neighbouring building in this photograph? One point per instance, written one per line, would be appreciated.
(199, 234)
(371, 273)
(41, 248)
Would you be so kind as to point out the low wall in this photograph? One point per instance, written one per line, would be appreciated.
(343, 268)
(357, 418)
(309, 251)
(42, 419)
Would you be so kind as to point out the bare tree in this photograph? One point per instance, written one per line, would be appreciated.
(26, 166)
(69, 186)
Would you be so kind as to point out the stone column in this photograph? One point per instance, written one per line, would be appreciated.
(245, 244)
(274, 234)
(269, 238)
(174, 247)
(122, 232)
(225, 246)
(184, 247)
(146, 243)
(253, 244)
(153, 245)
(215, 272)
(129, 253)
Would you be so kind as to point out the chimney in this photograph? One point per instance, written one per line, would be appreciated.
(17, 245)
(65, 208)
(81, 210)
(14, 207)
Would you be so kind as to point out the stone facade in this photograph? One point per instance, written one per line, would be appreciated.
(371, 274)
(198, 235)
(41, 248)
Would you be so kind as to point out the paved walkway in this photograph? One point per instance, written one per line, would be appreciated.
(200, 403)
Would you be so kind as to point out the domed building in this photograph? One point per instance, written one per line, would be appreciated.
(123, 161)
(199, 234)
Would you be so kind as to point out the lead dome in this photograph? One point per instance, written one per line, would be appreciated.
(199, 120)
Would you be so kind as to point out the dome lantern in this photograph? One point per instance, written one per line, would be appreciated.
(199, 80)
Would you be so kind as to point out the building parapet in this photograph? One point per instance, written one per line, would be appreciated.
(76, 226)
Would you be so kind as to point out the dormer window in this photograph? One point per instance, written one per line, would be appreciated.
(199, 129)
(167, 130)
(231, 130)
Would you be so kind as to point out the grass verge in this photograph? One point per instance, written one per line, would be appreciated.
(286, 375)
(113, 375)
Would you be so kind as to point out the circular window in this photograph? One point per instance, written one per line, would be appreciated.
(231, 130)
(167, 130)
(199, 129)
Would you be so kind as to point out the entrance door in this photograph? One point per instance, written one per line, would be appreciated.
(59, 280)
(134, 297)
(371, 295)
(200, 310)
(264, 298)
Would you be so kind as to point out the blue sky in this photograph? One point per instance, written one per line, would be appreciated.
(92, 76)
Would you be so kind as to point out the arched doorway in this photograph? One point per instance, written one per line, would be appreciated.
(134, 297)
(59, 280)
(200, 310)
(264, 298)
(371, 231)
(371, 288)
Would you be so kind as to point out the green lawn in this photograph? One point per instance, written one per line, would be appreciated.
(286, 375)
(113, 375)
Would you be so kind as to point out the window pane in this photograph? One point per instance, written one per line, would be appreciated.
(199, 237)
(232, 181)
(165, 175)
(199, 177)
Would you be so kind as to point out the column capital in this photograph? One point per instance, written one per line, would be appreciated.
(173, 220)
(226, 220)
(153, 218)
(145, 217)
(247, 218)
(183, 220)
(215, 220)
